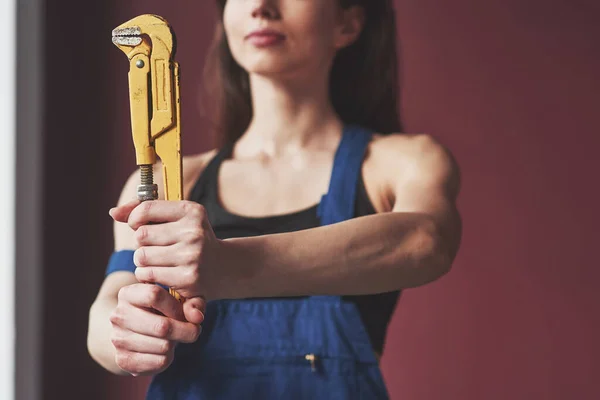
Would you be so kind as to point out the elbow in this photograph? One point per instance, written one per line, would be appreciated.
(432, 254)
(98, 347)
(93, 345)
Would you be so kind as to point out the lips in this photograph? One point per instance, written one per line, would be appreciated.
(265, 37)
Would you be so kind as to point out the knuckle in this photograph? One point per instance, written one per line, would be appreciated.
(124, 360)
(122, 294)
(141, 235)
(154, 294)
(162, 329)
(195, 234)
(117, 341)
(195, 334)
(191, 275)
(162, 362)
(125, 293)
(188, 207)
(150, 277)
(192, 333)
(116, 317)
(119, 360)
(145, 275)
(194, 209)
(201, 211)
(192, 256)
(164, 346)
(146, 207)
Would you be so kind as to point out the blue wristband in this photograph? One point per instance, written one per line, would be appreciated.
(121, 261)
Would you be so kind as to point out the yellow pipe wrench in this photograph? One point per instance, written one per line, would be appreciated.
(149, 43)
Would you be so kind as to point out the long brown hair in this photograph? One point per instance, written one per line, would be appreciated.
(364, 81)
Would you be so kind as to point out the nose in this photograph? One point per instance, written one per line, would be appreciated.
(266, 9)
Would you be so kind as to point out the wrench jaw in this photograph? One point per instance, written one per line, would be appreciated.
(131, 33)
(149, 43)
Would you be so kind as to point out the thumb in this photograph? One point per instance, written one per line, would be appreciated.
(121, 212)
(194, 309)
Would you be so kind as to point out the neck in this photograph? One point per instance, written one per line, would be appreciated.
(291, 115)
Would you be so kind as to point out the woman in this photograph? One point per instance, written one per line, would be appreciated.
(296, 235)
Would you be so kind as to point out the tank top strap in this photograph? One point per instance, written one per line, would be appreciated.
(338, 204)
(203, 189)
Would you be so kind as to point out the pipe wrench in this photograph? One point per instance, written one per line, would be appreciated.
(149, 43)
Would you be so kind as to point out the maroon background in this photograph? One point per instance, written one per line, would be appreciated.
(510, 86)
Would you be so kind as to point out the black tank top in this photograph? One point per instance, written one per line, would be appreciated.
(375, 310)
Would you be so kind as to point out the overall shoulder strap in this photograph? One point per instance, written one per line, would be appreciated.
(338, 204)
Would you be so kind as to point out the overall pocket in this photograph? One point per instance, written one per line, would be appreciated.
(286, 377)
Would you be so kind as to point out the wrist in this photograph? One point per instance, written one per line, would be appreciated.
(237, 268)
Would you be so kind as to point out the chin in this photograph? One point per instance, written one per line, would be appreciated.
(270, 66)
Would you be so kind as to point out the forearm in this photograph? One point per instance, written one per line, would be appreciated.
(99, 344)
(372, 254)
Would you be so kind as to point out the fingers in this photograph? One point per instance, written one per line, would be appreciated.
(145, 341)
(154, 297)
(130, 341)
(146, 323)
(164, 211)
(166, 256)
(165, 234)
(121, 213)
(169, 233)
(141, 363)
(177, 278)
(173, 277)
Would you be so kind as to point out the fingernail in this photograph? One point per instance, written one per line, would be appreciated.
(110, 212)
(200, 313)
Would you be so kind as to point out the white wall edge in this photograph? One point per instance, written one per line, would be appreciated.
(29, 271)
(7, 198)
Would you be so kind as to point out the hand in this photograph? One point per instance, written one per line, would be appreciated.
(145, 340)
(176, 245)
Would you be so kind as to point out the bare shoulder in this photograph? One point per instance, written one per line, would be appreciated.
(419, 154)
(396, 159)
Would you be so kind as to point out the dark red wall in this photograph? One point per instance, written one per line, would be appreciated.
(510, 86)
(513, 88)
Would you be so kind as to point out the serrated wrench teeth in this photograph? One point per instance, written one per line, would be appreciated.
(129, 36)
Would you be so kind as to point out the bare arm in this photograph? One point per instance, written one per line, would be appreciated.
(99, 342)
(413, 243)
(410, 246)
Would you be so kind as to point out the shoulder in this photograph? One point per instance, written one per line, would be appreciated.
(405, 158)
(419, 154)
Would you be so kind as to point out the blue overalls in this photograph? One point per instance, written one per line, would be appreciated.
(291, 348)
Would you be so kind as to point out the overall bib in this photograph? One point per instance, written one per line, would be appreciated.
(284, 348)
